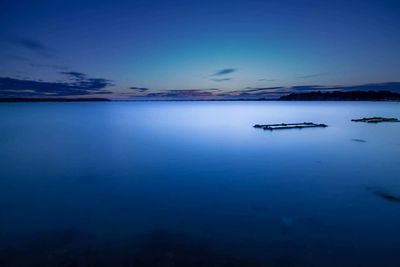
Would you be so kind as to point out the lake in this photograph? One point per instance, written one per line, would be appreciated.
(194, 184)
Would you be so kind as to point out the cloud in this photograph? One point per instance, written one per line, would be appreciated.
(313, 75)
(34, 46)
(139, 89)
(13, 87)
(185, 94)
(258, 92)
(221, 80)
(56, 67)
(252, 89)
(74, 75)
(224, 71)
(30, 44)
(266, 80)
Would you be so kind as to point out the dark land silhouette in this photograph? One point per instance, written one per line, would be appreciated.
(53, 100)
(344, 96)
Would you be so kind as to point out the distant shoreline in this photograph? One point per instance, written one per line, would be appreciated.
(187, 100)
(375, 96)
(35, 100)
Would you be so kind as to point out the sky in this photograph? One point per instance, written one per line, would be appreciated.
(189, 49)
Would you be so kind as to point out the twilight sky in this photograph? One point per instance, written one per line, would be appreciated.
(196, 49)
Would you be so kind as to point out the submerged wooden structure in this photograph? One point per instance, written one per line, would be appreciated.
(281, 126)
(376, 120)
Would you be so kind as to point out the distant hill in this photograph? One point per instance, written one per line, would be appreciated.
(343, 96)
(12, 100)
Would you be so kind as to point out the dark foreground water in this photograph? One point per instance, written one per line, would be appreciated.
(194, 184)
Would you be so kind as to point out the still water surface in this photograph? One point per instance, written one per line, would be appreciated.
(200, 171)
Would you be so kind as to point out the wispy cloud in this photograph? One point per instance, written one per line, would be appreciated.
(263, 89)
(34, 46)
(224, 71)
(266, 80)
(75, 75)
(221, 79)
(312, 75)
(185, 94)
(139, 89)
(55, 67)
(265, 92)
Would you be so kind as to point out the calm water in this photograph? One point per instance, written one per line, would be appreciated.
(198, 172)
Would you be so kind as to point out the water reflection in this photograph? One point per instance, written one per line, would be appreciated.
(73, 248)
(200, 169)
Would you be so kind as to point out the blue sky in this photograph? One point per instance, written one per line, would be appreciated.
(131, 49)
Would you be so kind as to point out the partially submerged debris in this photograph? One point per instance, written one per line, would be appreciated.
(376, 120)
(281, 126)
(383, 194)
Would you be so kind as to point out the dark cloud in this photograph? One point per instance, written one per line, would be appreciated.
(224, 72)
(75, 75)
(13, 87)
(221, 80)
(266, 80)
(312, 75)
(139, 89)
